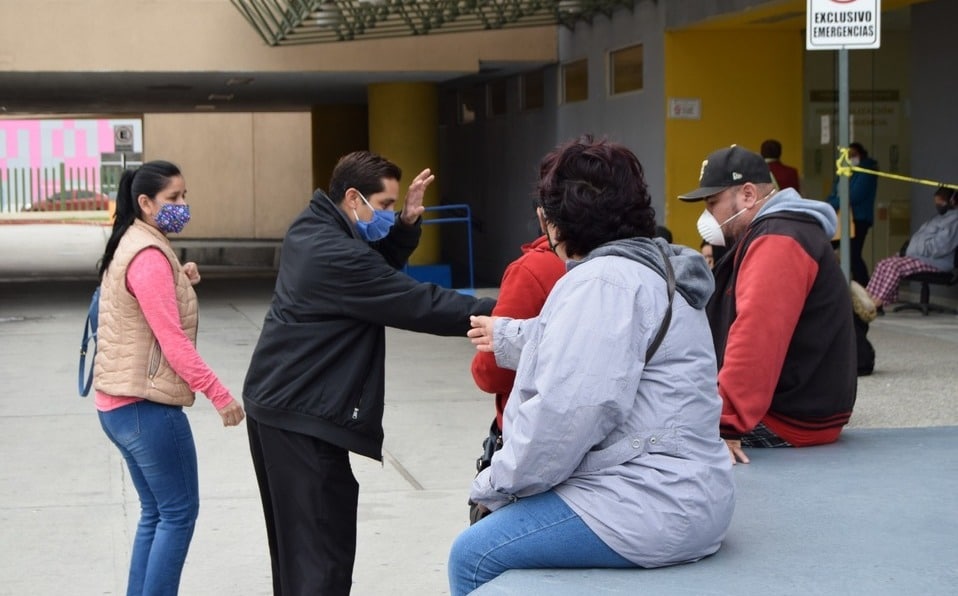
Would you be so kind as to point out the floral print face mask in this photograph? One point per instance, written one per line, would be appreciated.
(172, 218)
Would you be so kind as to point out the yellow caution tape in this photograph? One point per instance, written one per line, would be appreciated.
(843, 167)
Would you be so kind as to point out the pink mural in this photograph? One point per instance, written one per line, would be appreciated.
(36, 156)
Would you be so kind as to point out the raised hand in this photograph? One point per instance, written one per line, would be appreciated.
(412, 207)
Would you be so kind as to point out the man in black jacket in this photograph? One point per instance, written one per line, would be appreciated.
(315, 386)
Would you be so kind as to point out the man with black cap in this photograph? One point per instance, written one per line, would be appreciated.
(781, 314)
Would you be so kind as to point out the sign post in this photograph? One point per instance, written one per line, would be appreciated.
(840, 25)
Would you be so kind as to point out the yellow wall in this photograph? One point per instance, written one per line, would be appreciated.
(404, 128)
(247, 175)
(750, 87)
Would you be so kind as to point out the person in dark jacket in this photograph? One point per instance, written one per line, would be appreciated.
(862, 188)
(781, 313)
(315, 387)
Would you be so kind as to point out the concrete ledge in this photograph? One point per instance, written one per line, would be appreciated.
(872, 514)
(229, 253)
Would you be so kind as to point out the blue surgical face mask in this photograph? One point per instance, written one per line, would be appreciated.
(378, 227)
(172, 218)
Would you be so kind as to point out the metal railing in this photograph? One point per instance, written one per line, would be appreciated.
(457, 213)
(58, 188)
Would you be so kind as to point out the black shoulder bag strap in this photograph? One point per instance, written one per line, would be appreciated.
(667, 319)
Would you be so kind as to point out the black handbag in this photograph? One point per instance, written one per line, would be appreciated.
(490, 445)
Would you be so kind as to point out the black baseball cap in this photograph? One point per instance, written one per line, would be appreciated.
(728, 167)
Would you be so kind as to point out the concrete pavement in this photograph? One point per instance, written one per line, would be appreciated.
(68, 510)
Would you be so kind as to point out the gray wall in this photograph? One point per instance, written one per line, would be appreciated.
(934, 93)
(636, 119)
(492, 163)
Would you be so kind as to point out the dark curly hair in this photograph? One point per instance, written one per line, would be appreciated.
(594, 191)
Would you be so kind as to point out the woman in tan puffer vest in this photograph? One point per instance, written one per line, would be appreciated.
(147, 369)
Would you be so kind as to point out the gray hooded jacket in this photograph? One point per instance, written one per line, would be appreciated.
(631, 446)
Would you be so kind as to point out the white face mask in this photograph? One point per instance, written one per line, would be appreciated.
(711, 230)
(854, 161)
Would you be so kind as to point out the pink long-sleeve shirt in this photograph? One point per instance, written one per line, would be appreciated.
(150, 278)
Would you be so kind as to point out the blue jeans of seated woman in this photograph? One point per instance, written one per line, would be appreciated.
(538, 532)
(157, 444)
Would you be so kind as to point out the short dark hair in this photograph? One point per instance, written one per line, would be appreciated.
(594, 192)
(771, 149)
(362, 170)
(859, 148)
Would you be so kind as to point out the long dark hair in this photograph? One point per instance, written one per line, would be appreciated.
(149, 179)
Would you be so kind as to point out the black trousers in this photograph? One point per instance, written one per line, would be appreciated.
(310, 498)
(857, 267)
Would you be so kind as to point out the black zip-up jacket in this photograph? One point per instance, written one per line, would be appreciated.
(319, 366)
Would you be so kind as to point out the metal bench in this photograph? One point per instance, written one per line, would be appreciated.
(927, 279)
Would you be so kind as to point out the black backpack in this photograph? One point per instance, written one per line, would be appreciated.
(85, 377)
(864, 348)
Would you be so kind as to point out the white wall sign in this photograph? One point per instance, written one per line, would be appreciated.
(684, 108)
(843, 24)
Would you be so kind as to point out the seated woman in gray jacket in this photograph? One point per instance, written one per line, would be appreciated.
(931, 248)
(612, 456)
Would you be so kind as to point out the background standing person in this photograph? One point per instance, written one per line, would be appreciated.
(611, 455)
(781, 314)
(783, 176)
(316, 383)
(862, 188)
(147, 369)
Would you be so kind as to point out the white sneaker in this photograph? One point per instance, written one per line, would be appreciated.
(862, 302)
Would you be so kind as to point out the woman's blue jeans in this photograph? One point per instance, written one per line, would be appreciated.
(157, 444)
(538, 532)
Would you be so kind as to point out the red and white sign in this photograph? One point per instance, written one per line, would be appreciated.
(843, 24)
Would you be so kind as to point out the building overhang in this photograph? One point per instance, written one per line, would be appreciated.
(292, 22)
